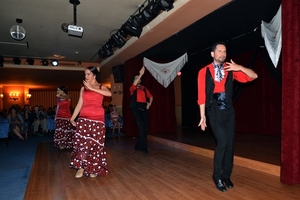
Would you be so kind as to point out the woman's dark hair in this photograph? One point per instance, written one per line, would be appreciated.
(13, 107)
(64, 89)
(95, 71)
(214, 46)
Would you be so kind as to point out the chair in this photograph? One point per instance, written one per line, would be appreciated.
(4, 129)
(50, 125)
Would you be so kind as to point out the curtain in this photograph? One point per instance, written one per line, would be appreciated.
(259, 103)
(162, 118)
(238, 87)
(290, 138)
(275, 73)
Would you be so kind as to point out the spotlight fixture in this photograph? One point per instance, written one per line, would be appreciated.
(18, 32)
(17, 61)
(1, 61)
(166, 5)
(54, 62)
(154, 7)
(108, 49)
(44, 62)
(118, 40)
(123, 33)
(101, 53)
(1, 96)
(139, 20)
(147, 14)
(30, 61)
(132, 28)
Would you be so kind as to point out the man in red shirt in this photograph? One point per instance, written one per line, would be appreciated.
(215, 83)
(141, 100)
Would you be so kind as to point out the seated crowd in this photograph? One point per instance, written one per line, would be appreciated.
(38, 122)
(23, 120)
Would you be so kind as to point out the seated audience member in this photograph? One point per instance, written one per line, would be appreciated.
(114, 116)
(51, 113)
(39, 116)
(27, 115)
(109, 108)
(16, 123)
(18, 108)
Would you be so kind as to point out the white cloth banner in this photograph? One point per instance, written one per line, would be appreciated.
(271, 32)
(166, 72)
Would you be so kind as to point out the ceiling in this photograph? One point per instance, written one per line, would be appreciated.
(191, 26)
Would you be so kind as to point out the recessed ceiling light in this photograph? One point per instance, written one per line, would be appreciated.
(54, 62)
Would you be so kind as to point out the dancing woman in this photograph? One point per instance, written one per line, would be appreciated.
(89, 155)
(64, 131)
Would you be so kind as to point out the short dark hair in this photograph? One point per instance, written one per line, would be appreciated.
(214, 46)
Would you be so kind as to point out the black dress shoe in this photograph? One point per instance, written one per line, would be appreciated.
(219, 185)
(145, 152)
(227, 182)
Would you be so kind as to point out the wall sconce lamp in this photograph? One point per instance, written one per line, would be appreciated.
(1, 96)
(28, 96)
(119, 92)
(14, 96)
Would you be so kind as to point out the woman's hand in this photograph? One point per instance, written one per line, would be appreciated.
(73, 122)
(87, 85)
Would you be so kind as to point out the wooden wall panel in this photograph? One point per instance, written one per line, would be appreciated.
(48, 98)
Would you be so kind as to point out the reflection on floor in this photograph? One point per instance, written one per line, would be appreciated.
(261, 148)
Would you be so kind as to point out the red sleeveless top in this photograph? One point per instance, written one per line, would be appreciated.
(92, 107)
(63, 108)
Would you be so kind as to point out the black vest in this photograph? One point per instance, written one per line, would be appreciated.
(210, 86)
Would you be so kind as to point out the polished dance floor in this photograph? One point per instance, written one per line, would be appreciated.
(262, 148)
(178, 166)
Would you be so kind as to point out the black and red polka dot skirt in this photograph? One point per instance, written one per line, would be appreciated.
(89, 147)
(64, 133)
